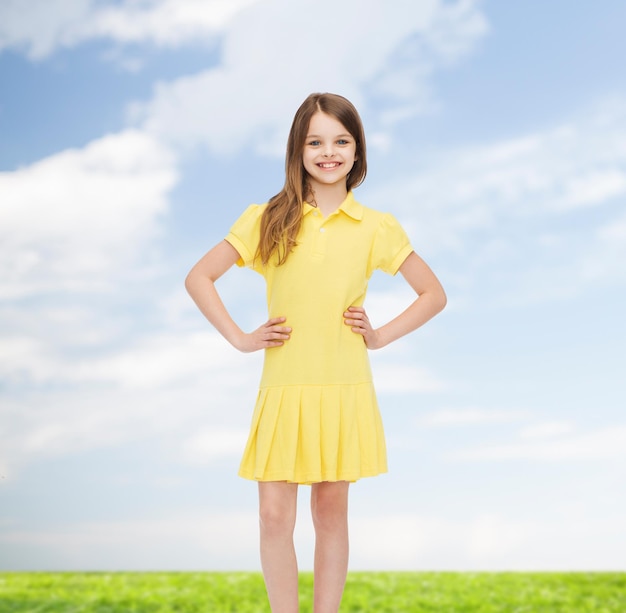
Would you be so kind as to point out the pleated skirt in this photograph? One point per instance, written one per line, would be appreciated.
(313, 433)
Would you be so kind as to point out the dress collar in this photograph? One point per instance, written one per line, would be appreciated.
(352, 208)
(349, 206)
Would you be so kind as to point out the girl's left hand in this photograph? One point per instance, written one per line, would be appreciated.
(357, 318)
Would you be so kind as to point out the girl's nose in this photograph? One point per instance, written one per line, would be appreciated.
(329, 150)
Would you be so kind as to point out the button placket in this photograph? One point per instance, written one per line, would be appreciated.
(319, 248)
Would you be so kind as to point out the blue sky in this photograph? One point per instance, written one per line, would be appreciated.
(133, 134)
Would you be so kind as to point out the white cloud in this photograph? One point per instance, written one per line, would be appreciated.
(544, 175)
(164, 22)
(486, 541)
(226, 541)
(607, 443)
(164, 359)
(400, 378)
(205, 446)
(470, 416)
(220, 541)
(468, 25)
(412, 541)
(41, 26)
(607, 260)
(547, 430)
(44, 26)
(532, 219)
(595, 187)
(73, 220)
(178, 384)
(235, 104)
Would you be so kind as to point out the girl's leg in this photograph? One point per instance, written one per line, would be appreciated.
(277, 518)
(329, 508)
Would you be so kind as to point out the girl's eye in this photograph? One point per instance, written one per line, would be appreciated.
(314, 143)
(342, 141)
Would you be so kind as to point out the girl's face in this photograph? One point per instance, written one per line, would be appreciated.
(329, 151)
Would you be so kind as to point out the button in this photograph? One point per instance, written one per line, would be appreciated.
(316, 213)
(322, 229)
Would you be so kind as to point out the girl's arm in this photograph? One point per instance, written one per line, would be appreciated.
(200, 283)
(431, 300)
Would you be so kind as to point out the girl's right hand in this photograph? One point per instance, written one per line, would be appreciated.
(270, 334)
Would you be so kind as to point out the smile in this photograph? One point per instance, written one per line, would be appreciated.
(329, 165)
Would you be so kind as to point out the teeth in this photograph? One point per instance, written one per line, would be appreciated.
(330, 165)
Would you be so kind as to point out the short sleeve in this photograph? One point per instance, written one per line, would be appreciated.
(391, 246)
(244, 234)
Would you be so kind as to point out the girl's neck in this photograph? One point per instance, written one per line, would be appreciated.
(327, 198)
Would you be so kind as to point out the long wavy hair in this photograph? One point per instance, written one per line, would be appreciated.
(282, 218)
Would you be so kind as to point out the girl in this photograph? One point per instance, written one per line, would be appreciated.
(316, 419)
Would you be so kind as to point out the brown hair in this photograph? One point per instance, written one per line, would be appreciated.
(282, 218)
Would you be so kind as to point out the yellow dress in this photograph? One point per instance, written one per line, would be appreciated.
(316, 417)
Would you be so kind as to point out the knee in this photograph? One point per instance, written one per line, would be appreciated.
(276, 519)
(329, 513)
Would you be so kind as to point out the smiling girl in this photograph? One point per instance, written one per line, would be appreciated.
(316, 419)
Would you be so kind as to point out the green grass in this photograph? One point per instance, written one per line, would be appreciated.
(418, 592)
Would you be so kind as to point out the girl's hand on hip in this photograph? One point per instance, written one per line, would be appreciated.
(270, 334)
(356, 317)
